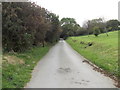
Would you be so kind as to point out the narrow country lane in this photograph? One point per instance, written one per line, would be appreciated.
(62, 67)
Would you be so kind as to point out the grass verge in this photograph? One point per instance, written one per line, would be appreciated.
(101, 50)
(17, 67)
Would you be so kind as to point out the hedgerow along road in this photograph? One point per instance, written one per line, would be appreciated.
(62, 67)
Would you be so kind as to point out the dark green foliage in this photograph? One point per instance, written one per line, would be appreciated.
(96, 31)
(112, 25)
(55, 29)
(69, 27)
(26, 24)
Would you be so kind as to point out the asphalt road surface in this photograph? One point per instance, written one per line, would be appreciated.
(62, 67)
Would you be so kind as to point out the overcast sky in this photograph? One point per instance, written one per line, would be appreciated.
(82, 10)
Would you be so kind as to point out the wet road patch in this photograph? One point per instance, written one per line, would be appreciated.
(64, 70)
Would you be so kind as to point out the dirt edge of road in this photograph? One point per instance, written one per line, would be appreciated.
(98, 69)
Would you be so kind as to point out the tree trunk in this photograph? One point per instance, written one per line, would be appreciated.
(43, 43)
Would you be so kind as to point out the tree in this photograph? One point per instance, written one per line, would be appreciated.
(90, 24)
(112, 25)
(55, 29)
(69, 27)
(96, 31)
(14, 34)
(26, 24)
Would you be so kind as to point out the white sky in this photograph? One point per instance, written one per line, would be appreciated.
(82, 10)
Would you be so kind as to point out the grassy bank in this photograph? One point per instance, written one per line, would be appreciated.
(101, 50)
(17, 67)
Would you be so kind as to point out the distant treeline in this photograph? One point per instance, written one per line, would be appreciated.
(95, 26)
(25, 24)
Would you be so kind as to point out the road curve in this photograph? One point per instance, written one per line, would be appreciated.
(62, 67)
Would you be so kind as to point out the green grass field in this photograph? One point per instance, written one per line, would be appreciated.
(103, 52)
(17, 67)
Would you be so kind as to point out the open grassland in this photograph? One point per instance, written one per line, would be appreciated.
(101, 50)
(17, 67)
